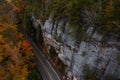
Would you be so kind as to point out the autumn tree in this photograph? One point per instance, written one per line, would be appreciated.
(108, 19)
(13, 65)
(11, 55)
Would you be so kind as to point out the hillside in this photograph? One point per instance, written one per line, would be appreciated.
(80, 38)
(16, 54)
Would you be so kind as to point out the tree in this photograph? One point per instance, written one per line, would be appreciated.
(87, 73)
(108, 19)
(15, 51)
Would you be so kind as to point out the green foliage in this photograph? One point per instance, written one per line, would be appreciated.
(61, 68)
(10, 34)
(27, 23)
(33, 75)
(83, 54)
(53, 52)
(70, 9)
(39, 9)
(79, 33)
(65, 9)
(109, 19)
(87, 73)
(27, 16)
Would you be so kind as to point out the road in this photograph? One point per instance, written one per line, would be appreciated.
(44, 67)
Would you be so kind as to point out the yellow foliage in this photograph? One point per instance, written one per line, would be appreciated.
(15, 8)
(14, 27)
(18, 72)
(9, 1)
(15, 66)
(19, 36)
(24, 73)
(109, 8)
(17, 5)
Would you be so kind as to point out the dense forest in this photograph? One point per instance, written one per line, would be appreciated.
(101, 14)
(16, 54)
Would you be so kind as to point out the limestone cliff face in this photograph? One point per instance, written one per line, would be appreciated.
(98, 52)
(79, 37)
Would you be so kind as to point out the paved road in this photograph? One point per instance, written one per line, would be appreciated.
(44, 67)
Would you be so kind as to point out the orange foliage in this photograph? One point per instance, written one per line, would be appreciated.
(15, 55)
(12, 45)
(1, 57)
(18, 5)
(2, 41)
(25, 46)
(4, 25)
(14, 66)
(109, 8)
(18, 72)
(19, 36)
(9, 1)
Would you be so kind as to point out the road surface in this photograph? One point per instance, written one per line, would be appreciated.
(44, 67)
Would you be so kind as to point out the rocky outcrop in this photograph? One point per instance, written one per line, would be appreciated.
(99, 54)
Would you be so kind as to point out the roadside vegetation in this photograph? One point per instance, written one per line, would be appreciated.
(16, 54)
